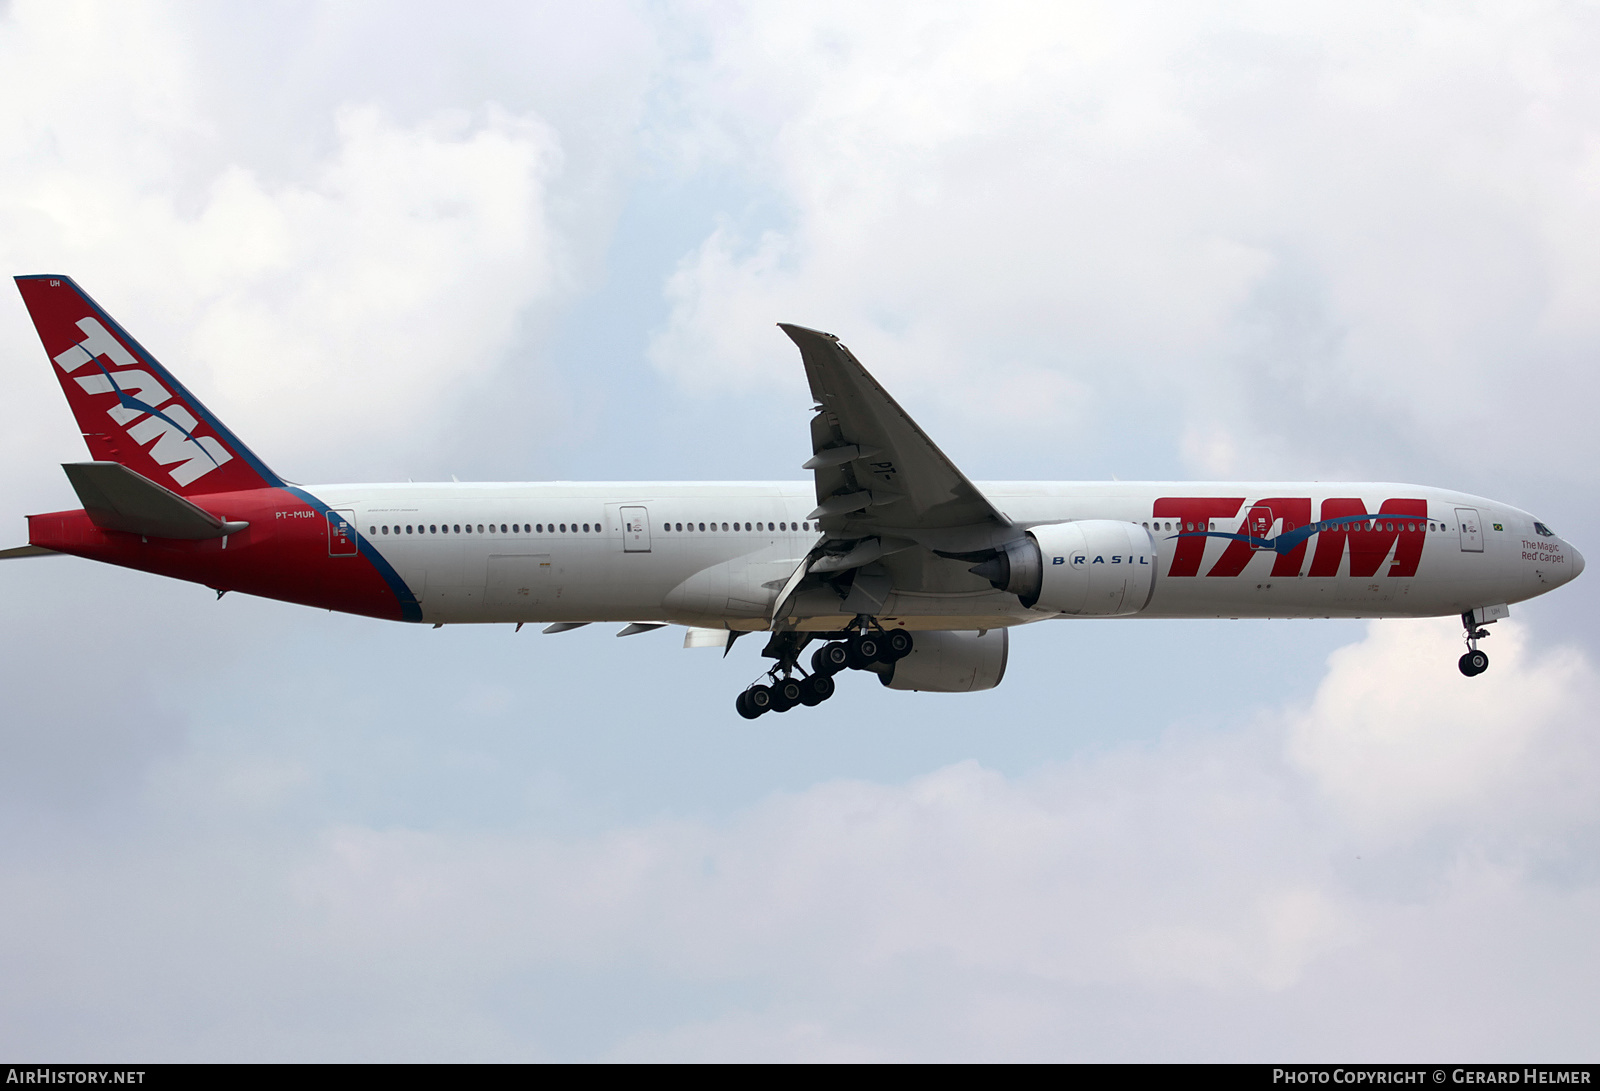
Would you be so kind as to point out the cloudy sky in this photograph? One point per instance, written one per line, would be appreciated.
(524, 241)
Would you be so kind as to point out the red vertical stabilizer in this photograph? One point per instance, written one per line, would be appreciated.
(130, 408)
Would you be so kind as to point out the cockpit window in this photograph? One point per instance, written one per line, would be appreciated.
(1542, 530)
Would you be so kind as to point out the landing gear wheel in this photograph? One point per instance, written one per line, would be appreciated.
(786, 694)
(864, 650)
(816, 689)
(1474, 663)
(830, 658)
(754, 701)
(897, 645)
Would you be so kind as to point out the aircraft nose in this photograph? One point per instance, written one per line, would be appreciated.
(1577, 562)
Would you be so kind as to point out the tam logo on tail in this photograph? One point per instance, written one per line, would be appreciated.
(131, 409)
(139, 393)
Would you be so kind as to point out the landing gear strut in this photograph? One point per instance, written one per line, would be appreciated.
(1474, 662)
(863, 646)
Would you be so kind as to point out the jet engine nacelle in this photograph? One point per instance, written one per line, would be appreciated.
(1091, 567)
(950, 662)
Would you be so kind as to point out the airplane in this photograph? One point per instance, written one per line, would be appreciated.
(889, 558)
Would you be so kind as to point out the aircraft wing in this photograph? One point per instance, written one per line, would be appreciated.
(883, 487)
(876, 471)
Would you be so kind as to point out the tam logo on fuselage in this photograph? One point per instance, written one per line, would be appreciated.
(144, 408)
(1398, 530)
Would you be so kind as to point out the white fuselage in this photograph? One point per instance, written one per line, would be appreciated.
(575, 552)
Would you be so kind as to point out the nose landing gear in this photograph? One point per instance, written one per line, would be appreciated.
(865, 647)
(1474, 662)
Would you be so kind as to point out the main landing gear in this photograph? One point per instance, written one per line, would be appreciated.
(1474, 662)
(862, 648)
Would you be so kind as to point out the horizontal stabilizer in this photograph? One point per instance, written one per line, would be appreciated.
(28, 551)
(116, 498)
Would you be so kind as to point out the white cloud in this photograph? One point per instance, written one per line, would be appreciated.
(1332, 865)
(315, 311)
(1332, 235)
(1399, 744)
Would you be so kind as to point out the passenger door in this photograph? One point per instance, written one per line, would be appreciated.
(1471, 530)
(1258, 524)
(635, 529)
